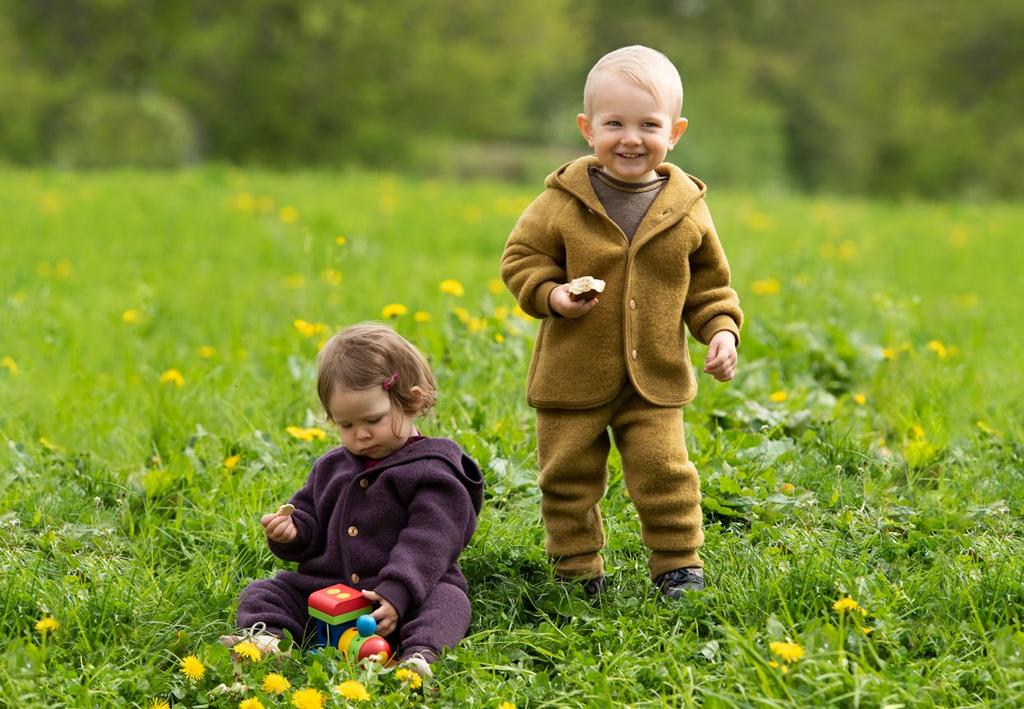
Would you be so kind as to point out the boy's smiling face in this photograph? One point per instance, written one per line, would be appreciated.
(629, 129)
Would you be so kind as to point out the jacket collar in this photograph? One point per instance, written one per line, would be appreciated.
(673, 203)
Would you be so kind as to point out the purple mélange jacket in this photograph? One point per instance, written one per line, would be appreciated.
(396, 528)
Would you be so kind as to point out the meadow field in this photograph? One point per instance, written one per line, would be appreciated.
(862, 475)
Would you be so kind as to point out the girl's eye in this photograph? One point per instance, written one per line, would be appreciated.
(650, 124)
(345, 426)
(614, 124)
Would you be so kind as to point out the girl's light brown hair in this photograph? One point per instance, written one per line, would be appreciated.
(368, 355)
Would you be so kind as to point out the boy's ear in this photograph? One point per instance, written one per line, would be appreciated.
(678, 128)
(586, 130)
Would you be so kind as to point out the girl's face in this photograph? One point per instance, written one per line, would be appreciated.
(370, 426)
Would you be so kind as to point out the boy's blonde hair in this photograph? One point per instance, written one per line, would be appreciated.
(647, 68)
(369, 355)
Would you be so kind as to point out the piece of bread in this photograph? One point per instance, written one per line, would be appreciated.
(585, 288)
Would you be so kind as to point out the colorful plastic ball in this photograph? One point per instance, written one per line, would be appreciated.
(375, 646)
(366, 625)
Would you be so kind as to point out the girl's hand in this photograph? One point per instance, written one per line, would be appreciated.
(561, 303)
(386, 616)
(722, 357)
(279, 527)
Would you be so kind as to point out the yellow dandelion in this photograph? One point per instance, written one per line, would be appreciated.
(46, 625)
(496, 286)
(847, 250)
(275, 683)
(421, 316)
(477, 324)
(244, 202)
(773, 664)
(331, 276)
(788, 652)
(785, 669)
(982, 426)
(868, 631)
(159, 704)
(499, 338)
(308, 698)
(340, 240)
(393, 310)
(968, 300)
(917, 432)
(288, 215)
(9, 364)
(310, 329)
(307, 434)
(938, 348)
(521, 314)
(207, 352)
(192, 668)
(247, 650)
(500, 313)
(787, 488)
(847, 604)
(232, 461)
(353, 691)
(250, 703)
(463, 315)
(172, 376)
(506, 705)
(888, 353)
(409, 677)
(778, 396)
(859, 399)
(131, 316)
(294, 281)
(452, 287)
(50, 445)
(767, 286)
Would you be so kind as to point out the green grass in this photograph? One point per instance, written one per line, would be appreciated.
(869, 446)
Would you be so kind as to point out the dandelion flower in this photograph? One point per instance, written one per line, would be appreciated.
(353, 691)
(982, 426)
(244, 202)
(521, 314)
(331, 276)
(288, 215)
(859, 399)
(307, 434)
(888, 353)
(231, 461)
(310, 329)
(250, 703)
(192, 668)
(393, 310)
(172, 376)
(50, 445)
(847, 604)
(308, 699)
(275, 683)
(463, 315)
(778, 396)
(496, 286)
(421, 316)
(340, 240)
(47, 625)
(499, 338)
(506, 705)
(787, 488)
(248, 650)
(917, 432)
(767, 286)
(159, 704)
(9, 364)
(789, 652)
(938, 348)
(409, 677)
(500, 313)
(773, 664)
(294, 281)
(452, 287)
(131, 315)
(206, 352)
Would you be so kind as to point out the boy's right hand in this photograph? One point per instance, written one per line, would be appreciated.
(561, 303)
(279, 527)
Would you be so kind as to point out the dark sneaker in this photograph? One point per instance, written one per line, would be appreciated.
(592, 588)
(674, 583)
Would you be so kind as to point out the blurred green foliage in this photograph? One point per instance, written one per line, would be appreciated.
(876, 97)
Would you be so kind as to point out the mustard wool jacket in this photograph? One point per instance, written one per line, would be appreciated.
(673, 272)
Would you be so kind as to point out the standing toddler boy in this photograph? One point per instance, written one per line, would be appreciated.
(620, 360)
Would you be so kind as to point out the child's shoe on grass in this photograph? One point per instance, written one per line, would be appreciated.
(255, 638)
(592, 588)
(674, 583)
(418, 660)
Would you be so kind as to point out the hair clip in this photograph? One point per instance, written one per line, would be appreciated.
(390, 381)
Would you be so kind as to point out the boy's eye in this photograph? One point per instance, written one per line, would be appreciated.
(650, 124)
(614, 124)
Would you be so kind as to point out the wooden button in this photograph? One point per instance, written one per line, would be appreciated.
(352, 531)
(632, 304)
(354, 578)
(634, 354)
(364, 483)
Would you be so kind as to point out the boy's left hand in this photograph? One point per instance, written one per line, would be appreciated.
(722, 357)
(386, 616)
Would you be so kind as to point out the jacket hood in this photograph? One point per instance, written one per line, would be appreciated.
(461, 465)
(681, 190)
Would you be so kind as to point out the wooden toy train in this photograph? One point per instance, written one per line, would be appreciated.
(342, 618)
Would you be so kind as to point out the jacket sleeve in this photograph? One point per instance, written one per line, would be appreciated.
(309, 542)
(533, 263)
(440, 523)
(711, 303)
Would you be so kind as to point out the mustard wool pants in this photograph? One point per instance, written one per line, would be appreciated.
(573, 448)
